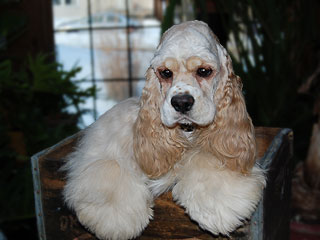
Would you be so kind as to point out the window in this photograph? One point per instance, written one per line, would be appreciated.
(113, 42)
(56, 2)
(70, 2)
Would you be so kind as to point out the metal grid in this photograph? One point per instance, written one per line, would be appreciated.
(130, 79)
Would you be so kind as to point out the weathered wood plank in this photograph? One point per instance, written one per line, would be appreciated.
(278, 192)
(55, 221)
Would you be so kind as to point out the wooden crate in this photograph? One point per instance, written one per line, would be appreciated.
(270, 220)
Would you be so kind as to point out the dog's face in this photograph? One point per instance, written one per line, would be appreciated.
(191, 83)
(187, 66)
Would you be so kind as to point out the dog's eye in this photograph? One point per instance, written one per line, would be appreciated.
(166, 74)
(204, 72)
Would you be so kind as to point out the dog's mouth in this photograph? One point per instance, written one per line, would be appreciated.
(187, 124)
(187, 127)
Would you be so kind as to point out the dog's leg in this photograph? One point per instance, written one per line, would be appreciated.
(217, 198)
(109, 200)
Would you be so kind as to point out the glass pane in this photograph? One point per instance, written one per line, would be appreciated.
(141, 9)
(111, 56)
(71, 38)
(137, 88)
(145, 39)
(112, 92)
(72, 49)
(70, 15)
(110, 50)
(108, 13)
(109, 94)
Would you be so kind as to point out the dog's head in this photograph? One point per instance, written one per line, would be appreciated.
(187, 65)
(191, 83)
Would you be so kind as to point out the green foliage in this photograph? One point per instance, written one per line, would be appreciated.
(273, 39)
(12, 26)
(33, 116)
(168, 19)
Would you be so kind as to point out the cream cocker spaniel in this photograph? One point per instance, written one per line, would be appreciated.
(189, 132)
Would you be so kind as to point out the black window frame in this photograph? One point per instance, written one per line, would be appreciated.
(130, 79)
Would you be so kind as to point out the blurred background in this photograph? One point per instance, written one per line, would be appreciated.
(63, 63)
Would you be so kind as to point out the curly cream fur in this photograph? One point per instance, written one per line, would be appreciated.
(156, 148)
(214, 196)
(231, 136)
(137, 150)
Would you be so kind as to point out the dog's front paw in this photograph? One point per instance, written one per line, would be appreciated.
(115, 221)
(219, 200)
(111, 202)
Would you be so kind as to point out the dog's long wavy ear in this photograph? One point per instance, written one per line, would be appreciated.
(231, 136)
(156, 148)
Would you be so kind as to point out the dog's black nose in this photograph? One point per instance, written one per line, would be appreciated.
(182, 103)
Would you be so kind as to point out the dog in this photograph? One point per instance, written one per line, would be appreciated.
(189, 133)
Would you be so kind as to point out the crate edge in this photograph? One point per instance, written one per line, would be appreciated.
(38, 195)
(257, 219)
